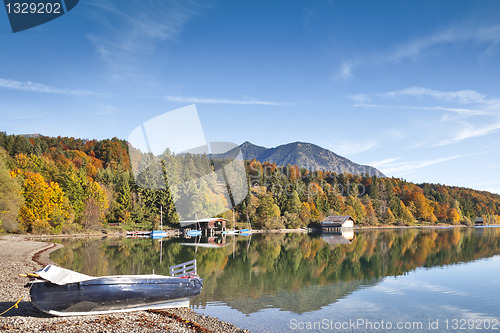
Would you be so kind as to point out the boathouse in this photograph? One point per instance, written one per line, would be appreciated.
(339, 238)
(479, 221)
(208, 227)
(209, 242)
(336, 223)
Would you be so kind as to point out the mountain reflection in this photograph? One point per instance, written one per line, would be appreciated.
(291, 272)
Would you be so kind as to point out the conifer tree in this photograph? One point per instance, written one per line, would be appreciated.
(293, 204)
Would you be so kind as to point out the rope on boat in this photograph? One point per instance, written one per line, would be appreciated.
(20, 298)
(35, 258)
(14, 306)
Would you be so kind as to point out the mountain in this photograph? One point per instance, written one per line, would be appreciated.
(302, 154)
(35, 135)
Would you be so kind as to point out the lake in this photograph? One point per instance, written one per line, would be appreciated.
(401, 280)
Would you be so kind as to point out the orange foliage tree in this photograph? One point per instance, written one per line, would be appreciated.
(453, 215)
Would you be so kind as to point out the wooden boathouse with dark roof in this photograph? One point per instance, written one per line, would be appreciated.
(336, 223)
(209, 226)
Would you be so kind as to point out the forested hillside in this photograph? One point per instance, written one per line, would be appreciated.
(63, 185)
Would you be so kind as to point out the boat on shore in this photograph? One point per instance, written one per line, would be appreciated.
(62, 292)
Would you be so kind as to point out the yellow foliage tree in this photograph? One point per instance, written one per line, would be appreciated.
(453, 216)
(423, 210)
(314, 211)
(305, 212)
(406, 213)
(99, 195)
(371, 216)
(389, 217)
(358, 211)
(46, 207)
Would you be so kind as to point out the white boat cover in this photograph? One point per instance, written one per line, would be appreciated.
(62, 276)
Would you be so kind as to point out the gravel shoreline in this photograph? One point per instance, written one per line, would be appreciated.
(16, 253)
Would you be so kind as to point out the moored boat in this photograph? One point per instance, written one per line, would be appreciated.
(62, 292)
(138, 234)
(193, 233)
(158, 234)
(230, 232)
(245, 232)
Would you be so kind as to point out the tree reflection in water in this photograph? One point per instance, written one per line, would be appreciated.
(294, 272)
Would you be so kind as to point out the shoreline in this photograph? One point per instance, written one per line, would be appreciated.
(26, 254)
(44, 237)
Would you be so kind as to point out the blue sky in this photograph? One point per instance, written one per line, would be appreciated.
(410, 87)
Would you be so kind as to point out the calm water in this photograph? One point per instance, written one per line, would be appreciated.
(415, 280)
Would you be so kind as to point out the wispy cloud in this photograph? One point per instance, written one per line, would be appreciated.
(134, 29)
(42, 88)
(486, 38)
(360, 99)
(461, 111)
(200, 100)
(353, 148)
(344, 73)
(481, 104)
(489, 35)
(464, 104)
(384, 162)
(392, 167)
(459, 96)
(469, 131)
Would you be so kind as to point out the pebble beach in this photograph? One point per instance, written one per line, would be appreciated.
(20, 254)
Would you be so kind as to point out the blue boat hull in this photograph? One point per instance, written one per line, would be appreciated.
(113, 294)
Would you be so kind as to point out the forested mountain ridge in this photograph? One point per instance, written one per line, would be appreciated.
(304, 155)
(62, 185)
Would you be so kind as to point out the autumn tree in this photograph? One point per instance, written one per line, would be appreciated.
(305, 213)
(95, 205)
(355, 208)
(46, 208)
(315, 213)
(292, 220)
(91, 215)
(267, 208)
(293, 204)
(371, 216)
(268, 213)
(423, 210)
(10, 196)
(453, 216)
(389, 217)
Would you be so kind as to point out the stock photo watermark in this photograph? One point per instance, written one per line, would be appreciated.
(264, 177)
(170, 152)
(27, 14)
(313, 189)
(363, 325)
